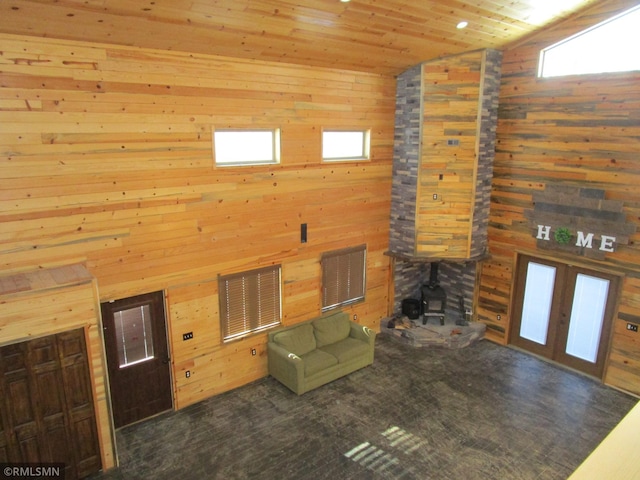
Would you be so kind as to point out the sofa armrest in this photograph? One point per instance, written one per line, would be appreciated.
(286, 367)
(363, 333)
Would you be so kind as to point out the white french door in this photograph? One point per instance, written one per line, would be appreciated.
(563, 312)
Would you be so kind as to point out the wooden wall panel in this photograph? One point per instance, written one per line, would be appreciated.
(575, 131)
(451, 89)
(459, 103)
(106, 159)
(50, 301)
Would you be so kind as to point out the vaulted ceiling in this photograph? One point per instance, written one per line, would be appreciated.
(384, 36)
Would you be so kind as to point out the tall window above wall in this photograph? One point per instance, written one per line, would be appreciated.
(250, 301)
(233, 147)
(610, 46)
(345, 145)
(343, 276)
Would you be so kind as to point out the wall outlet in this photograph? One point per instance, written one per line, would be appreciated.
(187, 336)
(435, 196)
(187, 373)
(355, 317)
(253, 352)
(632, 326)
(498, 317)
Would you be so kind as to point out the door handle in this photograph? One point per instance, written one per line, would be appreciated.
(166, 360)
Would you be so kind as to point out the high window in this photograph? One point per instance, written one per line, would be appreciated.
(246, 147)
(249, 301)
(606, 47)
(343, 276)
(345, 145)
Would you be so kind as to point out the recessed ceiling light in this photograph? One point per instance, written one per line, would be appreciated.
(462, 25)
(345, 1)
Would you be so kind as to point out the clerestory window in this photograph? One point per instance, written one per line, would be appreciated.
(604, 48)
(246, 147)
(345, 145)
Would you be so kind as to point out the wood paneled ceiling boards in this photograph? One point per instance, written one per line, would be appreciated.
(383, 36)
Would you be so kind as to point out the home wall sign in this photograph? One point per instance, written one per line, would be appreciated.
(563, 236)
(579, 221)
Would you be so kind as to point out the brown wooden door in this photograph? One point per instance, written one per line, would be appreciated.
(564, 312)
(137, 357)
(47, 412)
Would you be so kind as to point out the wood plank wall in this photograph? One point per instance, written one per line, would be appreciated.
(49, 301)
(451, 89)
(106, 159)
(580, 131)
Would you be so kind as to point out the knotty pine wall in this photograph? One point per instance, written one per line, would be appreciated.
(581, 131)
(106, 160)
(460, 99)
(49, 301)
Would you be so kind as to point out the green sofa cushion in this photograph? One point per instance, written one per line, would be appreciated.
(317, 361)
(331, 329)
(299, 340)
(347, 349)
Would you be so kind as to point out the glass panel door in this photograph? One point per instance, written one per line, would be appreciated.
(563, 312)
(536, 297)
(587, 315)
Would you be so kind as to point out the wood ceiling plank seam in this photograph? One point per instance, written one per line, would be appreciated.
(56, 48)
(287, 30)
(222, 73)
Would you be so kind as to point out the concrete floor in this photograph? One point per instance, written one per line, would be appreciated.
(481, 412)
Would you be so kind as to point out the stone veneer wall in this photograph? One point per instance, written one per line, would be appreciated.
(486, 150)
(406, 157)
(457, 278)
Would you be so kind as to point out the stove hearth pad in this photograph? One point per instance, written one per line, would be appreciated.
(448, 335)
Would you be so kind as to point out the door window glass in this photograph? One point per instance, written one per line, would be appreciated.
(133, 335)
(587, 315)
(537, 302)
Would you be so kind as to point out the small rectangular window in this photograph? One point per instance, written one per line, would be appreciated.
(134, 335)
(345, 145)
(249, 301)
(343, 276)
(598, 49)
(246, 147)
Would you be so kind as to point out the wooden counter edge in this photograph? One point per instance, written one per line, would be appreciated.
(617, 455)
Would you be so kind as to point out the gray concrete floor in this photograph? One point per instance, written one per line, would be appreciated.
(481, 412)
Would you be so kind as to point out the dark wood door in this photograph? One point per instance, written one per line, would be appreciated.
(564, 312)
(47, 412)
(137, 357)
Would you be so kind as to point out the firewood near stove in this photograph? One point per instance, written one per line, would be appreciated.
(404, 324)
(400, 323)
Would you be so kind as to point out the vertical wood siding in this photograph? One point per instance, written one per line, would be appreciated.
(106, 160)
(581, 131)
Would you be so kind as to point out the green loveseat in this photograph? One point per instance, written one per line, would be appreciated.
(312, 353)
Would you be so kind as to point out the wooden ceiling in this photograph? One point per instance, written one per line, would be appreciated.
(383, 36)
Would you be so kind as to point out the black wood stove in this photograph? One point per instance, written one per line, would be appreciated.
(434, 297)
